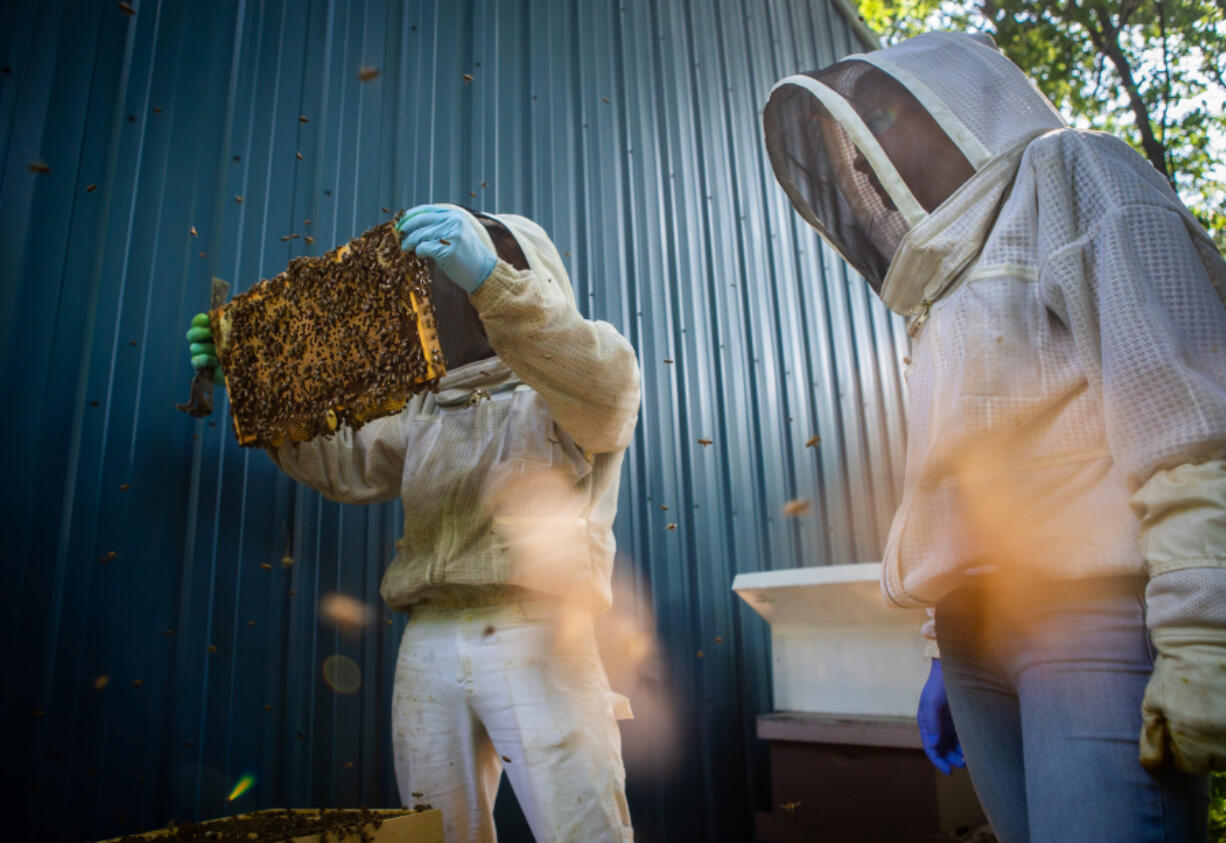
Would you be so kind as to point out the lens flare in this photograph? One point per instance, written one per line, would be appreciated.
(637, 668)
(342, 674)
(344, 612)
(244, 784)
(539, 521)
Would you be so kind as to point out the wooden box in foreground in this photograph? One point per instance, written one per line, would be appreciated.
(339, 339)
(423, 825)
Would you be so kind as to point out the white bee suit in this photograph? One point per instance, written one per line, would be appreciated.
(509, 477)
(1068, 368)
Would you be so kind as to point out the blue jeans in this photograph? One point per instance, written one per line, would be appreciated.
(1045, 682)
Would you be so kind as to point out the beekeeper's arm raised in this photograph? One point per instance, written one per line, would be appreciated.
(585, 370)
(348, 466)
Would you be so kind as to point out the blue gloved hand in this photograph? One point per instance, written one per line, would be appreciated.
(203, 352)
(448, 236)
(936, 726)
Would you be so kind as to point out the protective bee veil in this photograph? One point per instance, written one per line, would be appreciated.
(870, 147)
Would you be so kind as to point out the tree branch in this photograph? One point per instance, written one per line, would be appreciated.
(1106, 39)
(1166, 86)
(1215, 72)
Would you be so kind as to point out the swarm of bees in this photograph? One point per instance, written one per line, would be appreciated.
(339, 339)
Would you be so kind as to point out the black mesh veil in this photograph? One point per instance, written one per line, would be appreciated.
(504, 241)
(862, 210)
(461, 332)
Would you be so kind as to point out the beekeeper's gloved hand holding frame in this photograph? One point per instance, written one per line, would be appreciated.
(203, 352)
(449, 236)
(445, 234)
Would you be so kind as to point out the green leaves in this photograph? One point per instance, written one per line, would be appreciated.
(1217, 808)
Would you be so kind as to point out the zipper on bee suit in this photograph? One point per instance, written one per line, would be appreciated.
(918, 317)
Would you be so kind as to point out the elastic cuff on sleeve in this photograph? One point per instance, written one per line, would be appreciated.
(1165, 639)
(497, 284)
(1170, 566)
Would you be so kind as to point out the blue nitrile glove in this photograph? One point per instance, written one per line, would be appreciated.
(448, 236)
(936, 727)
(204, 353)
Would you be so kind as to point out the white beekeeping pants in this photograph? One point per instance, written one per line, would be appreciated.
(517, 687)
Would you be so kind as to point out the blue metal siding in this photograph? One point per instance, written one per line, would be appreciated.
(631, 131)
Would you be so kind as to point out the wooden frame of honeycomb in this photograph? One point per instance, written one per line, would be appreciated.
(420, 824)
(339, 339)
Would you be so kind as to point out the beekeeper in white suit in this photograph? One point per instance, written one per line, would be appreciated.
(1064, 506)
(509, 478)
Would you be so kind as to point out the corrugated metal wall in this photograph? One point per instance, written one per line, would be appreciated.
(145, 547)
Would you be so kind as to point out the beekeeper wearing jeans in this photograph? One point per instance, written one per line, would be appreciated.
(1064, 504)
(509, 477)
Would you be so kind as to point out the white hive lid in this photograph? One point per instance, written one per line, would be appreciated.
(830, 595)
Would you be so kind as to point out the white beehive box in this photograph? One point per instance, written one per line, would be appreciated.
(837, 648)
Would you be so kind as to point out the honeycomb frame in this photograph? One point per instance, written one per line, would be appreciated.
(343, 338)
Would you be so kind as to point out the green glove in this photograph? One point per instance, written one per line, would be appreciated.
(204, 353)
(1184, 710)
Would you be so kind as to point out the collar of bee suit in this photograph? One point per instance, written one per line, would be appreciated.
(490, 375)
